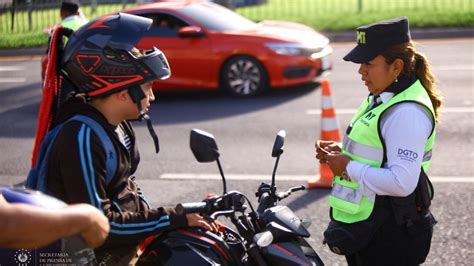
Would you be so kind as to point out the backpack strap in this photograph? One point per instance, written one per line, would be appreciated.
(37, 176)
(111, 158)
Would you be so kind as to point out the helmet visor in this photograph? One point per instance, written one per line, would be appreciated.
(155, 63)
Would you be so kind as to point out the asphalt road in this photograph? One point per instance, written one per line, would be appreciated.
(245, 130)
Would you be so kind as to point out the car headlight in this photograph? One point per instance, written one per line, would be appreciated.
(286, 48)
(293, 49)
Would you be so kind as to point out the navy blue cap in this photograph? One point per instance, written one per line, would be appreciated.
(374, 38)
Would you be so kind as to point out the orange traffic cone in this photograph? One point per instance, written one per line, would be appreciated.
(329, 131)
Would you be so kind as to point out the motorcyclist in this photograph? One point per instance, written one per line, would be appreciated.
(111, 83)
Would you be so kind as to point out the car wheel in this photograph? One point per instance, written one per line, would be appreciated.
(244, 76)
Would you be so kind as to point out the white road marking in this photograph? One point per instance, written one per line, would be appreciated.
(12, 80)
(452, 179)
(454, 67)
(338, 111)
(444, 110)
(190, 176)
(7, 180)
(10, 68)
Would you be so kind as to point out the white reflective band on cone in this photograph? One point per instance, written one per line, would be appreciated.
(327, 102)
(329, 124)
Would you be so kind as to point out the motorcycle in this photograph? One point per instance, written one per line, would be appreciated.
(271, 234)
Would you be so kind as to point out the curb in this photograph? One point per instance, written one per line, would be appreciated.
(334, 37)
(22, 52)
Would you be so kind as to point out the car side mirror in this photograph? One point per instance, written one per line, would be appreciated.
(203, 145)
(190, 32)
(279, 143)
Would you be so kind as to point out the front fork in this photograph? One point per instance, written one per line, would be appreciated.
(247, 231)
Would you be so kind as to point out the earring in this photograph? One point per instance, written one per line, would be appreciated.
(396, 79)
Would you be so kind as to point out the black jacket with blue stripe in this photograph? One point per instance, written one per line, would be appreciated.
(76, 174)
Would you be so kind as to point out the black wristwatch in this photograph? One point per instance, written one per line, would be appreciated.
(345, 176)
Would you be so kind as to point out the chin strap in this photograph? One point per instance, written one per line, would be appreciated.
(137, 95)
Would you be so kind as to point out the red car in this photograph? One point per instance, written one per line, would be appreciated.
(211, 47)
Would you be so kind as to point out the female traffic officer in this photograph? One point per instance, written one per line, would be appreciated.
(94, 156)
(381, 194)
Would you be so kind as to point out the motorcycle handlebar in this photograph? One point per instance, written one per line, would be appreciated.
(293, 189)
(282, 195)
(192, 207)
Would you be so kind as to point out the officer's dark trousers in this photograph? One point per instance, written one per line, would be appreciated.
(396, 245)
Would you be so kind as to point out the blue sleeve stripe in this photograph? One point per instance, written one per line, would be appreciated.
(89, 177)
(131, 232)
(91, 167)
(83, 164)
(163, 219)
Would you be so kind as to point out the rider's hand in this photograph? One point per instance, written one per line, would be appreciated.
(326, 147)
(196, 220)
(96, 225)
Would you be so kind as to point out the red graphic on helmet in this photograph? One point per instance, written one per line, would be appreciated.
(99, 23)
(87, 62)
(113, 82)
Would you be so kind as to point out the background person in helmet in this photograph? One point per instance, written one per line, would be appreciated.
(109, 81)
(381, 194)
(27, 226)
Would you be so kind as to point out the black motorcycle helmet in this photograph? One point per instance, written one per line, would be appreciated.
(99, 59)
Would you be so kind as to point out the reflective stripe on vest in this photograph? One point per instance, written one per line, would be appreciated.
(364, 144)
(73, 23)
(349, 194)
(371, 153)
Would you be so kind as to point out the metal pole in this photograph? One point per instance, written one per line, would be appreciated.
(13, 15)
(29, 5)
(359, 8)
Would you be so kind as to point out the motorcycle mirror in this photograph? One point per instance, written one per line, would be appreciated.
(277, 151)
(278, 144)
(203, 145)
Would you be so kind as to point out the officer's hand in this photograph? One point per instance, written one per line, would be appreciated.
(196, 220)
(324, 147)
(337, 162)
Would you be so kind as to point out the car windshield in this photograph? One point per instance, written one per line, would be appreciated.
(217, 18)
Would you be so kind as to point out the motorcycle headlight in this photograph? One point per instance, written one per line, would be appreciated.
(263, 239)
(287, 48)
